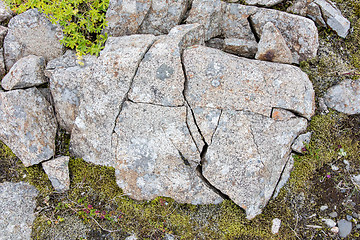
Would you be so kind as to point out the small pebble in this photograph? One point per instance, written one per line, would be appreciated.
(333, 214)
(344, 228)
(276, 223)
(355, 215)
(323, 208)
(358, 226)
(334, 168)
(335, 230)
(348, 217)
(329, 222)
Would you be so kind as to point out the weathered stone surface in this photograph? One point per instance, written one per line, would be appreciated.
(5, 12)
(267, 3)
(28, 125)
(344, 97)
(208, 13)
(235, 23)
(31, 33)
(247, 155)
(158, 158)
(298, 144)
(125, 16)
(280, 114)
(307, 9)
(58, 172)
(27, 72)
(300, 33)
(241, 47)
(2, 64)
(345, 228)
(163, 16)
(243, 84)
(3, 32)
(66, 79)
(160, 78)
(333, 17)
(215, 43)
(17, 205)
(285, 175)
(103, 94)
(272, 46)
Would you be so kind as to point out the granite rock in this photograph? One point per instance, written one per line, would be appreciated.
(300, 141)
(28, 125)
(5, 12)
(272, 46)
(58, 172)
(307, 9)
(31, 33)
(17, 205)
(241, 47)
(27, 72)
(344, 97)
(266, 3)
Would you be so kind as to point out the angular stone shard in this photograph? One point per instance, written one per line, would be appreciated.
(27, 125)
(344, 97)
(208, 13)
(247, 155)
(160, 78)
(27, 72)
(307, 9)
(66, 79)
(5, 12)
(272, 46)
(103, 94)
(17, 205)
(266, 3)
(300, 33)
(300, 142)
(31, 33)
(58, 173)
(241, 47)
(125, 16)
(163, 16)
(243, 84)
(158, 158)
(280, 114)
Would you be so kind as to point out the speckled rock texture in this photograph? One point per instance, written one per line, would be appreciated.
(58, 172)
(27, 72)
(5, 12)
(30, 33)
(17, 205)
(3, 32)
(344, 97)
(28, 125)
(267, 3)
(299, 143)
(307, 9)
(241, 47)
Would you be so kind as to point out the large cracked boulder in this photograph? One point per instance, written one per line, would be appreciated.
(31, 33)
(28, 125)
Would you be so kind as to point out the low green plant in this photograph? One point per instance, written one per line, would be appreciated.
(82, 21)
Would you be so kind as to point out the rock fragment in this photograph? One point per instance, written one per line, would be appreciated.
(329, 222)
(272, 46)
(300, 141)
(27, 72)
(344, 228)
(344, 97)
(307, 9)
(31, 33)
(28, 125)
(266, 3)
(276, 224)
(58, 172)
(3, 32)
(17, 205)
(5, 12)
(241, 47)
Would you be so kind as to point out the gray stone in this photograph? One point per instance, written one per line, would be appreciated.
(103, 94)
(272, 46)
(302, 39)
(324, 207)
(3, 32)
(241, 47)
(275, 227)
(266, 3)
(344, 228)
(31, 33)
(160, 77)
(28, 125)
(344, 97)
(5, 12)
(215, 43)
(66, 79)
(17, 205)
(208, 13)
(235, 23)
(132, 237)
(163, 16)
(333, 214)
(58, 172)
(280, 114)
(2, 64)
(25, 73)
(285, 175)
(247, 155)
(307, 9)
(125, 16)
(333, 17)
(45, 91)
(243, 84)
(158, 158)
(329, 222)
(300, 142)
(349, 218)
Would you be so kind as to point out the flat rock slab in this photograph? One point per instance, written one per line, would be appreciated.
(17, 205)
(28, 125)
(344, 97)
(31, 33)
(58, 172)
(242, 84)
(158, 158)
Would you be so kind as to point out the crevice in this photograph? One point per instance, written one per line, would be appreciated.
(280, 177)
(188, 127)
(296, 113)
(253, 29)
(187, 12)
(217, 125)
(154, 104)
(256, 145)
